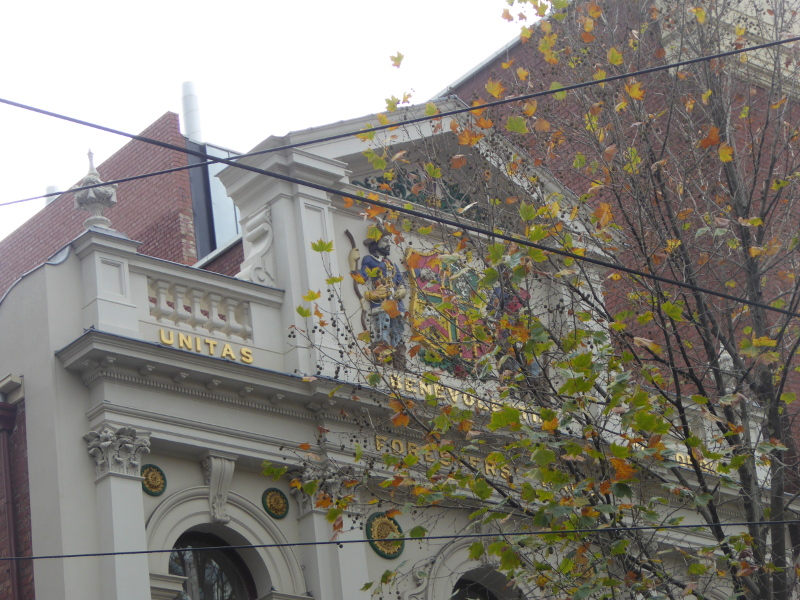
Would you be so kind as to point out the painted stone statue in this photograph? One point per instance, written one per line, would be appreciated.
(382, 281)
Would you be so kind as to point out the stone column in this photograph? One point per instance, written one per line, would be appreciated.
(120, 510)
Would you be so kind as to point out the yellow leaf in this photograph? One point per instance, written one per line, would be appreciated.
(397, 59)
(507, 65)
(706, 96)
(600, 74)
(621, 106)
(779, 103)
(672, 244)
(545, 26)
(699, 14)
(614, 56)
(311, 296)
(594, 10)
(603, 214)
(635, 91)
(529, 108)
(645, 343)
(495, 88)
(755, 251)
(725, 152)
(522, 74)
(588, 24)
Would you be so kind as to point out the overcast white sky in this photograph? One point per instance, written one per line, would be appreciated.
(261, 68)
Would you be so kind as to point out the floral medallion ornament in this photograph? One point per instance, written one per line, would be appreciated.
(275, 503)
(379, 529)
(155, 482)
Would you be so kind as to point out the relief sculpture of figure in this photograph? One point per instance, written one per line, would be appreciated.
(383, 281)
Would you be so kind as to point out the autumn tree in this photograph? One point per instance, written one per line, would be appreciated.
(651, 387)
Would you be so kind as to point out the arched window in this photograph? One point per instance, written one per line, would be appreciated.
(471, 590)
(211, 574)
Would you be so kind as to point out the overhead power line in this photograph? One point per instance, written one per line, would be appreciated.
(455, 536)
(438, 219)
(338, 136)
(399, 207)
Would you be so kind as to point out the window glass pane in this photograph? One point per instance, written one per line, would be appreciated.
(225, 213)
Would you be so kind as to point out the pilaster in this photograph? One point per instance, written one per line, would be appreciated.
(117, 453)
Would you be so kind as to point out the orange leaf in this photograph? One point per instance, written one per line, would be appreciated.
(542, 125)
(609, 153)
(348, 201)
(390, 307)
(400, 420)
(603, 214)
(605, 487)
(468, 137)
(484, 123)
(594, 10)
(393, 513)
(507, 15)
(587, 37)
(712, 139)
(623, 469)
(529, 108)
(635, 90)
(324, 501)
(458, 161)
(395, 404)
(304, 446)
(374, 211)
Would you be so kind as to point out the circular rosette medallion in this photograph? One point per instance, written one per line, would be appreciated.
(275, 503)
(379, 529)
(155, 482)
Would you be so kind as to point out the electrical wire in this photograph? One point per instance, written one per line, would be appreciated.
(338, 136)
(456, 536)
(401, 208)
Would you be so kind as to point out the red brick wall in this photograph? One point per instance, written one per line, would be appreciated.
(229, 262)
(156, 211)
(20, 506)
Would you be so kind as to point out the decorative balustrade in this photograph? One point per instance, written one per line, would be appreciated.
(200, 309)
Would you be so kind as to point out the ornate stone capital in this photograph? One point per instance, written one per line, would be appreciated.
(218, 471)
(117, 450)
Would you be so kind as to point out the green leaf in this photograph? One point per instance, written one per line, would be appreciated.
(697, 569)
(433, 170)
(496, 252)
(310, 487)
(332, 280)
(527, 212)
(475, 550)
(303, 312)
(517, 124)
(544, 457)
(558, 95)
(431, 110)
(322, 246)
(788, 397)
(579, 162)
(366, 586)
(417, 532)
(673, 311)
(507, 417)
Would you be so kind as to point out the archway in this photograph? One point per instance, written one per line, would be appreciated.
(187, 511)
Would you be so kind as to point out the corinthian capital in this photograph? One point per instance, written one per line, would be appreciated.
(117, 450)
